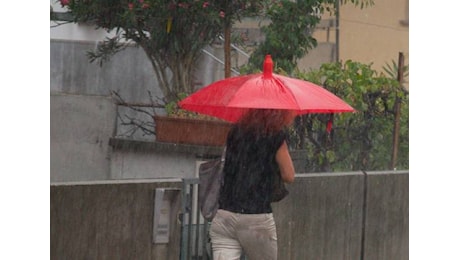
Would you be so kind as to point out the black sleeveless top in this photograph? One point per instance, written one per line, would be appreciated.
(248, 172)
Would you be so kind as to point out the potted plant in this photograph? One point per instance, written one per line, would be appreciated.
(186, 127)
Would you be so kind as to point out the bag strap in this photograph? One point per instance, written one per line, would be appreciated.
(222, 163)
(222, 158)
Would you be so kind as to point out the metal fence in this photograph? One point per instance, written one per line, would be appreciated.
(195, 243)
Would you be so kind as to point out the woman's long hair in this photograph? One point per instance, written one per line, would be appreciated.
(265, 121)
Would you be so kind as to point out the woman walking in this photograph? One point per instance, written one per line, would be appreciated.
(256, 151)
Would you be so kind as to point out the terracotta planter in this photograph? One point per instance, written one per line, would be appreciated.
(191, 131)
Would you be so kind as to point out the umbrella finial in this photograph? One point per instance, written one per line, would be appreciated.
(268, 66)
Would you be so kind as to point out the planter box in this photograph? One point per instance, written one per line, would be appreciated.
(191, 131)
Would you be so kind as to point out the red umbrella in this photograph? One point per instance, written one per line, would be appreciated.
(229, 98)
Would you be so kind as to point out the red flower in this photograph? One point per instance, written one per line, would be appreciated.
(222, 14)
(205, 4)
(130, 6)
(64, 2)
(183, 5)
(141, 1)
(145, 6)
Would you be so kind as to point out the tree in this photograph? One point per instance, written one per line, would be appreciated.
(289, 34)
(234, 10)
(360, 140)
(171, 34)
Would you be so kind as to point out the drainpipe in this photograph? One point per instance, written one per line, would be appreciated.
(337, 9)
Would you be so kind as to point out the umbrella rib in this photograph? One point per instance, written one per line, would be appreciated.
(279, 81)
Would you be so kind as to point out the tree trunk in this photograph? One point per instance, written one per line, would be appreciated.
(227, 49)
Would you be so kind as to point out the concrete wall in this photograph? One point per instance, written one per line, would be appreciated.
(323, 53)
(375, 34)
(129, 72)
(387, 209)
(80, 128)
(322, 217)
(133, 164)
(326, 216)
(345, 216)
(112, 221)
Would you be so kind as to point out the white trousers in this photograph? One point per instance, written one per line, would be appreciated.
(234, 233)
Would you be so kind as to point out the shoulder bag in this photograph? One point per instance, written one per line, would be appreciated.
(279, 188)
(211, 180)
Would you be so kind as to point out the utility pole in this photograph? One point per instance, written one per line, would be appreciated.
(397, 111)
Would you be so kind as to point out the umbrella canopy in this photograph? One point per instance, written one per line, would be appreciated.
(230, 98)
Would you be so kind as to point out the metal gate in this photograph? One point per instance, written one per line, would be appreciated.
(195, 243)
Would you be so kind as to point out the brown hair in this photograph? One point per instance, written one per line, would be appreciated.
(266, 121)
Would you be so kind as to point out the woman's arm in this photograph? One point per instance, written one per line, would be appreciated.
(283, 158)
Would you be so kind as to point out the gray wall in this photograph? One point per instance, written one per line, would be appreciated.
(111, 221)
(135, 164)
(322, 217)
(387, 232)
(129, 72)
(326, 216)
(345, 216)
(80, 128)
